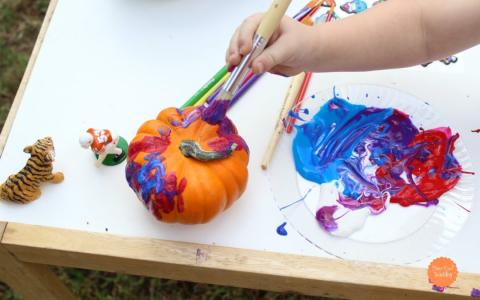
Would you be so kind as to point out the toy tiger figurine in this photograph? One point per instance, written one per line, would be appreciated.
(24, 187)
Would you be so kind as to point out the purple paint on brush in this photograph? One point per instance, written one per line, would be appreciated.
(215, 112)
(214, 95)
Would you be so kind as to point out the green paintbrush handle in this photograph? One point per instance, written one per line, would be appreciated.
(206, 87)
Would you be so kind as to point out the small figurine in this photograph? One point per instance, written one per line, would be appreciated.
(354, 6)
(24, 187)
(110, 149)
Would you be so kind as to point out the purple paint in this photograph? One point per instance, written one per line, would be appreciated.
(214, 112)
(214, 95)
(475, 293)
(325, 217)
(437, 288)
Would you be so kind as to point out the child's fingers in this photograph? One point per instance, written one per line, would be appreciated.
(284, 71)
(230, 49)
(246, 33)
(233, 54)
(272, 56)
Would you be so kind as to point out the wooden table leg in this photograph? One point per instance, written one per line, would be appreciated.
(32, 281)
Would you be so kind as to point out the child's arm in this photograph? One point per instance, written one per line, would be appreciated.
(397, 33)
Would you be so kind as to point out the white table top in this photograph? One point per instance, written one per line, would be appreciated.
(114, 64)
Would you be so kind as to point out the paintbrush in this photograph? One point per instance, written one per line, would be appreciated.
(298, 101)
(215, 112)
(292, 93)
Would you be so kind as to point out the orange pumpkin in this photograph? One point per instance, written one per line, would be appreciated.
(187, 174)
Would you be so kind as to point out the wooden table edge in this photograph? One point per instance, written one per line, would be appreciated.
(224, 265)
(210, 264)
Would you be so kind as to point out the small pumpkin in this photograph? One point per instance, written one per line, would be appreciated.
(187, 174)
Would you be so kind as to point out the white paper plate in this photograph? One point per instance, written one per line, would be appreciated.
(398, 235)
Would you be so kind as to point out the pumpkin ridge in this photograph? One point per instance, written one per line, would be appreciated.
(239, 182)
(226, 197)
(199, 194)
(233, 184)
(214, 183)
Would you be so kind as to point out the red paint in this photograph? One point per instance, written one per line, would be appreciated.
(299, 100)
(148, 144)
(432, 174)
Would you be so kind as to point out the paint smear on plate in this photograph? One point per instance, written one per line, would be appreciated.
(374, 156)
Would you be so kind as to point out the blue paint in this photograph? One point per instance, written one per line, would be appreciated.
(296, 114)
(281, 229)
(323, 145)
(297, 201)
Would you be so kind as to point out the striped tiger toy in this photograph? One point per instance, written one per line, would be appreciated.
(24, 187)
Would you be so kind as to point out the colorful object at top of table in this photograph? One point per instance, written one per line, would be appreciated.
(354, 7)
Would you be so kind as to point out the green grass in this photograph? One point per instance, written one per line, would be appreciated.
(89, 285)
(20, 22)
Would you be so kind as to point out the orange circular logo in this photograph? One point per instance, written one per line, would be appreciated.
(442, 272)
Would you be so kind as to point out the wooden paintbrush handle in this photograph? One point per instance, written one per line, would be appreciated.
(272, 18)
(292, 93)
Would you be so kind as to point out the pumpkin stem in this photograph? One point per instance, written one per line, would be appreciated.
(192, 149)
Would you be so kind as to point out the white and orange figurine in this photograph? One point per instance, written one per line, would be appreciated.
(110, 149)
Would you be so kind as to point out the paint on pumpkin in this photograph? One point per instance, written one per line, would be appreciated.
(160, 191)
(376, 156)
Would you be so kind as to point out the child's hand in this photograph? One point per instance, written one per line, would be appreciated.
(289, 50)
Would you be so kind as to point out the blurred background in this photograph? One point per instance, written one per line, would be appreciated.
(20, 21)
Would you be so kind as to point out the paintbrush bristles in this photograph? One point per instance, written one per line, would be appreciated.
(224, 96)
(292, 93)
